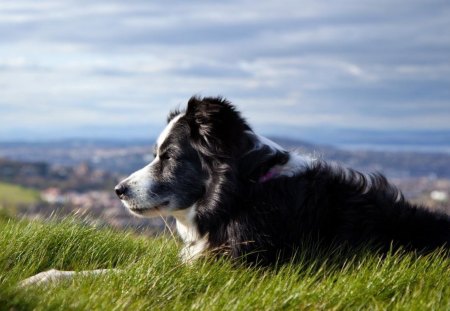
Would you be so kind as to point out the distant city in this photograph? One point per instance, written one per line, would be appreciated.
(123, 157)
(78, 176)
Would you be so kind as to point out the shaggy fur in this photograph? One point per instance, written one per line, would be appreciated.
(233, 192)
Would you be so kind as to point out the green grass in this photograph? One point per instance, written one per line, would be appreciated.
(153, 279)
(12, 195)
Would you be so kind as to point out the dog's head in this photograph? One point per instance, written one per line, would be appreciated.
(191, 155)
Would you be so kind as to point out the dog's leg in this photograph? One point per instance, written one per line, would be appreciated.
(57, 275)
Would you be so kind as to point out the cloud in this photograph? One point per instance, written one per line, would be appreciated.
(295, 62)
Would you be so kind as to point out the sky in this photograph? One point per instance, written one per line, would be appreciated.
(113, 69)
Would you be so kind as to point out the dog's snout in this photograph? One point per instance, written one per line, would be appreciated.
(121, 190)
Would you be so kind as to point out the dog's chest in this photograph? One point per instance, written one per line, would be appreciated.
(194, 244)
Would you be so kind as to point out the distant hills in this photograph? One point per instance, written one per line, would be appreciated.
(124, 157)
(355, 138)
(399, 164)
(412, 140)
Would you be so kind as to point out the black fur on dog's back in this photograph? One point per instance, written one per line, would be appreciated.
(269, 221)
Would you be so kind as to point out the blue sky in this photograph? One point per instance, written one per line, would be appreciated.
(114, 68)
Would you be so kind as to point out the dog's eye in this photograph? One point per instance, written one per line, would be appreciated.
(164, 156)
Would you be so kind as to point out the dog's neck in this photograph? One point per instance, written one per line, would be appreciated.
(294, 165)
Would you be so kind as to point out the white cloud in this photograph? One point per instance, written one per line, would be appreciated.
(351, 63)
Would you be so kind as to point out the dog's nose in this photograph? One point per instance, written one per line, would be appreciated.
(121, 190)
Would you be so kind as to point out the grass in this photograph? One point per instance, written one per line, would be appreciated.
(153, 279)
(12, 195)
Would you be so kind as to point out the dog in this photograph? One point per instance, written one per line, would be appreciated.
(237, 194)
(234, 192)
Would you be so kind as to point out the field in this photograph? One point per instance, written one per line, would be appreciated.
(151, 277)
(12, 195)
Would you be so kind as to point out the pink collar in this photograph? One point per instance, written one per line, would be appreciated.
(272, 173)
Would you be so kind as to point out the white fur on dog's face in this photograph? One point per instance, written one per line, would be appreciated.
(171, 182)
(139, 202)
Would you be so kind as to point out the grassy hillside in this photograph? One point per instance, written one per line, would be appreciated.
(12, 195)
(153, 279)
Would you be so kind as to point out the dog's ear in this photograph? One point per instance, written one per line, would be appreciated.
(261, 161)
(216, 127)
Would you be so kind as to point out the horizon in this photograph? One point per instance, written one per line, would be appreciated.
(113, 69)
(388, 141)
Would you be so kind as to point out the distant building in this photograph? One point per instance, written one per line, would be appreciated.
(440, 196)
(53, 196)
(82, 170)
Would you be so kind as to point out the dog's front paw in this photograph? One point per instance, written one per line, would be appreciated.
(46, 277)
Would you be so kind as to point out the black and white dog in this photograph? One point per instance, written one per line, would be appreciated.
(236, 193)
